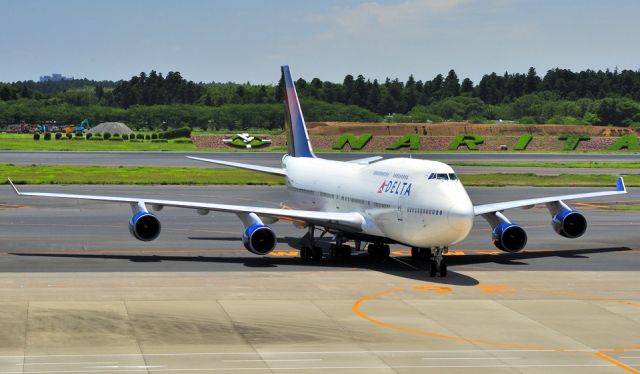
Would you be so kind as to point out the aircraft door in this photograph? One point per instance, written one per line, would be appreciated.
(400, 208)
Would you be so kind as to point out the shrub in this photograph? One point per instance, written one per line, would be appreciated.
(125, 137)
(183, 132)
(355, 143)
(410, 140)
(106, 135)
(79, 135)
(140, 136)
(470, 140)
(96, 138)
(154, 136)
(69, 135)
(183, 141)
(572, 140)
(629, 142)
(132, 140)
(58, 136)
(47, 136)
(147, 137)
(523, 142)
(36, 136)
(89, 135)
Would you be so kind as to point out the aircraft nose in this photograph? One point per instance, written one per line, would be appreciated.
(460, 217)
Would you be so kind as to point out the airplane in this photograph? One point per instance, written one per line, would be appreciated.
(417, 203)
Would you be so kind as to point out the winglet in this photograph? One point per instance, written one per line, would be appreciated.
(14, 186)
(620, 185)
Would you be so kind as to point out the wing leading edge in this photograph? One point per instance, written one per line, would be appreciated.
(498, 207)
(353, 221)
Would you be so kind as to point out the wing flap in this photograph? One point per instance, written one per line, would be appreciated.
(353, 221)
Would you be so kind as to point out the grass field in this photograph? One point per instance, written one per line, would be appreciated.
(574, 165)
(50, 174)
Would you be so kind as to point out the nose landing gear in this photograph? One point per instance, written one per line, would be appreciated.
(435, 260)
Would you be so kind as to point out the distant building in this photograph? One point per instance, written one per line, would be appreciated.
(55, 77)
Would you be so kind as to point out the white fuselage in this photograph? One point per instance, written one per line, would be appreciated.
(396, 197)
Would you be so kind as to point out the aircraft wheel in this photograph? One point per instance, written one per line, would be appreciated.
(384, 252)
(316, 254)
(443, 269)
(305, 253)
(344, 251)
(374, 251)
(432, 268)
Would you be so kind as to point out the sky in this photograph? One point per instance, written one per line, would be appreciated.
(248, 40)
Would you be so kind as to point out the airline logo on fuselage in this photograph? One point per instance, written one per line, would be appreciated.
(395, 187)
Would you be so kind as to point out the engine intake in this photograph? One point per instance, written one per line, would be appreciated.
(509, 237)
(144, 226)
(259, 239)
(569, 223)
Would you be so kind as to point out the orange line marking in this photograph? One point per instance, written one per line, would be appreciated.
(616, 363)
(357, 310)
(598, 206)
(432, 288)
(494, 288)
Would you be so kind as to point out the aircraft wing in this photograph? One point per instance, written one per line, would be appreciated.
(498, 207)
(353, 221)
(263, 169)
(366, 160)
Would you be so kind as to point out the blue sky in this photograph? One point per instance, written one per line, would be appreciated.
(247, 40)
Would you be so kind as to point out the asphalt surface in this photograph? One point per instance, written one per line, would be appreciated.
(83, 228)
(78, 294)
(178, 159)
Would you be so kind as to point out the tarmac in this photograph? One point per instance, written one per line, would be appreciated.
(79, 294)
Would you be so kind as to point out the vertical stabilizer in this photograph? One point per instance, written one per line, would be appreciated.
(297, 135)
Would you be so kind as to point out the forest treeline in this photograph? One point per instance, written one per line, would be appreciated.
(153, 100)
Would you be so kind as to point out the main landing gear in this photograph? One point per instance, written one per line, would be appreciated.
(309, 251)
(434, 257)
(378, 251)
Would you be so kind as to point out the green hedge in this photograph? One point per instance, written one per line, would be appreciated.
(572, 140)
(629, 142)
(355, 143)
(183, 132)
(471, 141)
(410, 140)
(523, 142)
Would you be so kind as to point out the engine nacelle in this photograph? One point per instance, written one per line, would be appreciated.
(569, 223)
(509, 237)
(259, 239)
(144, 226)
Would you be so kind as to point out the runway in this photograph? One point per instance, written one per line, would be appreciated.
(79, 294)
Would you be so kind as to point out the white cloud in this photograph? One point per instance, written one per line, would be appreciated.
(375, 17)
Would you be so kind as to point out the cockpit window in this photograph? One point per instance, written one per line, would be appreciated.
(453, 177)
(443, 177)
(432, 176)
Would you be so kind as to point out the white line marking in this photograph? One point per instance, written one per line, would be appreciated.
(404, 263)
(471, 358)
(291, 360)
(68, 363)
(631, 357)
(126, 367)
(314, 368)
(304, 353)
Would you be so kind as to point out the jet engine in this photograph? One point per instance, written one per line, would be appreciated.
(509, 237)
(569, 223)
(144, 226)
(259, 239)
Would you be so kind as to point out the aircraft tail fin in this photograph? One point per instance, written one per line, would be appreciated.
(297, 135)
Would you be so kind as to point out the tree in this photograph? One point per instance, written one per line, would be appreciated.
(466, 86)
(451, 85)
(532, 81)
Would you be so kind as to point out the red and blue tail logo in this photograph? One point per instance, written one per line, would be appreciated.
(297, 135)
